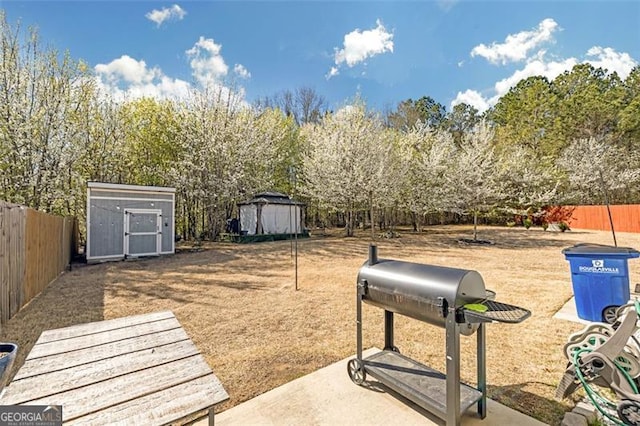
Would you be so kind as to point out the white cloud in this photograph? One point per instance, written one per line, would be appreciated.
(241, 71)
(612, 61)
(359, 45)
(606, 58)
(332, 73)
(172, 13)
(127, 78)
(207, 64)
(537, 67)
(127, 69)
(516, 47)
(473, 98)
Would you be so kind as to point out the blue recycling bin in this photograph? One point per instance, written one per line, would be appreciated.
(600, 278)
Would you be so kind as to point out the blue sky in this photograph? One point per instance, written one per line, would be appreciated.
(453, 51)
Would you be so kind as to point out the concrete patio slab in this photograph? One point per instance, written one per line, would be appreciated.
(568, 312)
(329, 397)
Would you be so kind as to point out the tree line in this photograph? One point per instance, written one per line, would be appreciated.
(570, 140)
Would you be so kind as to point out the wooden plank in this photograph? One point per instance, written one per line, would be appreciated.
(101, 326)
(11, 259)
(4, 262)
(59, 362)
(31, 257)
(24, 390)
(99, 396)
(167, 406)
(65, 243)
(16, 260)
(20, 265)
(13, 255)
(41, 350)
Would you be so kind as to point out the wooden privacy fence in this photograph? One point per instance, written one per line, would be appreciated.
(626, 218)
(35, 248)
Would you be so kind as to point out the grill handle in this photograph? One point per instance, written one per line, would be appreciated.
(444, 306)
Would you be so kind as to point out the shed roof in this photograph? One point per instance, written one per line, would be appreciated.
(271, 198)
(118, 186)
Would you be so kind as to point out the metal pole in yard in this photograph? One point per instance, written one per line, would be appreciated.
(606, 200)
(290, 232)
(296, 242)
(292, 178)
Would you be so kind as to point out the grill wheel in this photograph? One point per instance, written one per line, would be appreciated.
(355, 368)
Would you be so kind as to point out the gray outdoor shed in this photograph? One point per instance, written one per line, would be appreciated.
(129, 221)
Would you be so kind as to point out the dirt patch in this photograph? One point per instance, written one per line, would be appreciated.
(239, 305)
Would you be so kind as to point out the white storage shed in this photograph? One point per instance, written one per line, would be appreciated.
(129, 221)
(271, 213)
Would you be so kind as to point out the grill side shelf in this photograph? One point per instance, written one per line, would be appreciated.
(497, 312)
(417, 382)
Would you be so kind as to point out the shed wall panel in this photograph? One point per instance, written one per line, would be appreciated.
(106, 224)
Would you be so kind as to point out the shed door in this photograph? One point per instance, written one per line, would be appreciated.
(143, 232)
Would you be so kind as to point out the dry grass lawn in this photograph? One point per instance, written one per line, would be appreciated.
(239, 305)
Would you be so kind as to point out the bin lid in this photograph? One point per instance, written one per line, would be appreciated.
(600, 249)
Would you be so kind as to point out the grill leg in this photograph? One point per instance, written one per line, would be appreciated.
(453, 371)
(482, 369)
(388, 331)
(360, 289)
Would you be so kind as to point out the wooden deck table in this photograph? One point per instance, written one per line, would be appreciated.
(138, 370)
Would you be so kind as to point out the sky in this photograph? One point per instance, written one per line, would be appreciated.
(384, 52)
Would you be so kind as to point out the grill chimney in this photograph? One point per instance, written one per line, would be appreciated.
(373, 254)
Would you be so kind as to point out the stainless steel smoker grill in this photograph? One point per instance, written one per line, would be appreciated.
(455, 299)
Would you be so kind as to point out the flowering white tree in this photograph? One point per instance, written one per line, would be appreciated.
(428, 155)
(229, 154)
(529, 184)
(40, 90)
(597, 168)
(96, 153)
(472, 182)
(346, 161)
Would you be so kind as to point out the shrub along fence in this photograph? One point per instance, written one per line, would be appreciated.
(35, 248)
